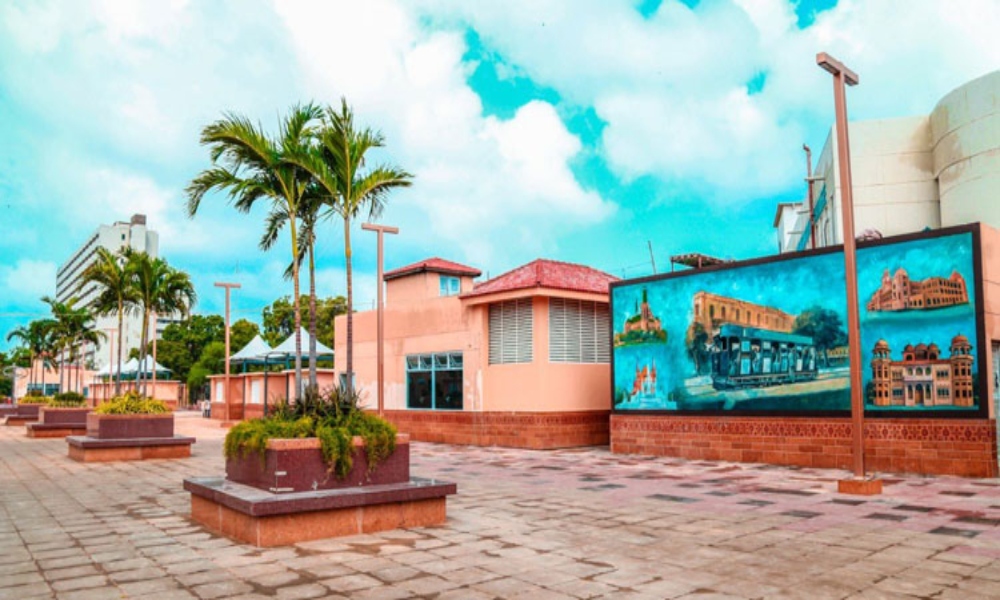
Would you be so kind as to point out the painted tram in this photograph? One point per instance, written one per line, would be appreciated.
(744, 357)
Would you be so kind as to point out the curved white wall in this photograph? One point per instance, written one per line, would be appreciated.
(965, 133)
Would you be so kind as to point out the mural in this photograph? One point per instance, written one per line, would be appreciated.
(918, 324)
(770, 336)
(752, 338)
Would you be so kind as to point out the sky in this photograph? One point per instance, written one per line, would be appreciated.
(579, 131)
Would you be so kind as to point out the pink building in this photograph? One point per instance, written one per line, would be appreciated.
(521, 360)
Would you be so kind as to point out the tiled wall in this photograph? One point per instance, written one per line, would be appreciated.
(965, 447)
(510, 429)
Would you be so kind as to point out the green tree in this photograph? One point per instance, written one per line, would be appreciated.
(249, 166)
(194, 333)
(175, 356)
(278, 325)
(116, 294)
(338, 165)
(213, 358)
(159, 288)
(36, 338)
(240, 334)
(823, 326)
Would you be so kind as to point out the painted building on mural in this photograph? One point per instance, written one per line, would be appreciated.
(899, 292)
(712, 310)
(923, 377)
(519, 360)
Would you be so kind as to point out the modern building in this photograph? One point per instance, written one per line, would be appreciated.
(899, 292)
(909, 173)
(923, 377)
(115, 237)
(520, 360)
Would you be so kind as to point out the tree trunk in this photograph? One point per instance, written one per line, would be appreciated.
(62, 367)
(142, 349)
(43, 374)
(297, 313)
(312, 317)
(118, 374)
(350, 307)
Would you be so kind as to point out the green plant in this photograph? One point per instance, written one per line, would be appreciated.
(334, 417)
(34, 394)
(36, 398)
(67, 400)
(132, 403)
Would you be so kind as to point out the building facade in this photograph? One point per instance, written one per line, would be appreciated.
(712, 310)
(520, 360)
(909, 173)
(115, 237)
(923, 377)
(899, 292)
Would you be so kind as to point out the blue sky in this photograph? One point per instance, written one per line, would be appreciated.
(569, 130)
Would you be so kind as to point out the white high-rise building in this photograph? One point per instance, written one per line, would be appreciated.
(115, 237)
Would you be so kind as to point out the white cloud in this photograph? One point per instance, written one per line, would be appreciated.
(27, 281)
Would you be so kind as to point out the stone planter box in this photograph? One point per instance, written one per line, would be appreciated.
(128, 437)
(122, 427)
(288, 497)
(7, 409)
(59, 422)
(24, 414)
(297, 466)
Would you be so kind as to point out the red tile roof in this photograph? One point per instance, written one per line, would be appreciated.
(544, 273)
(433, 265)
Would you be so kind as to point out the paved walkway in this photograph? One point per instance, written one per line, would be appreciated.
(533, 525)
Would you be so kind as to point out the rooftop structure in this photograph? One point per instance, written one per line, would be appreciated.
(909, 173)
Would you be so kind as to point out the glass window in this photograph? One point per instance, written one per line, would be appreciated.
(450, 286)
(434, 381)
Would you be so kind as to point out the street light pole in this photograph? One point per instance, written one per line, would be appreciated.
(111, 358)
(225, 394)
(842, 77)
(380, 344)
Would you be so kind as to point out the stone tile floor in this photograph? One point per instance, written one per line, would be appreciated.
(525, 524)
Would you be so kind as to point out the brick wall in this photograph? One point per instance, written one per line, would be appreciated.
(537, 431)
(965, 447)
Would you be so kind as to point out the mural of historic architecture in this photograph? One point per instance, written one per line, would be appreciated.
(770, 336)
(752, 338)
(918, 329)
(899, 292)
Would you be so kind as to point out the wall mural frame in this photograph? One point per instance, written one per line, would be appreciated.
(780, 353)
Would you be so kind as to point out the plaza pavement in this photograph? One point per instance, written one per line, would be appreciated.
(525, 524)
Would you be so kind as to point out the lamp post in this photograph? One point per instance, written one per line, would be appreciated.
(225, 393)
(380, 344)
(111, 358)
(155, 335)
(842, 77)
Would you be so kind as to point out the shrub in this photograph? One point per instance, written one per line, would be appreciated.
(34, 394)
(67, 400)
(38, 399)
(132, 403)
(334, 417)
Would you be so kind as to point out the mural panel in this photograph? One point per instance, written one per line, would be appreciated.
(759, 337)
(769, 336)
(919, 340)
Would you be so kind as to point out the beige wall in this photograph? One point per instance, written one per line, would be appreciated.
(991, 299)
(448, 324)
(965, 127)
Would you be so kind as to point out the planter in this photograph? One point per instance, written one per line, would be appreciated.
(128, 437)
(7, 409)
(297, 465)
(287, 496)
(126, 427)
(59, 422)
(23, 414)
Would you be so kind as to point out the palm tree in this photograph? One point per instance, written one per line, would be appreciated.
(159, 288)
(73, 326)
(116, 294)
(82, 332)
(249, 166)
(309, 215)
(60, 331)
(35, 337)
(337, 164)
